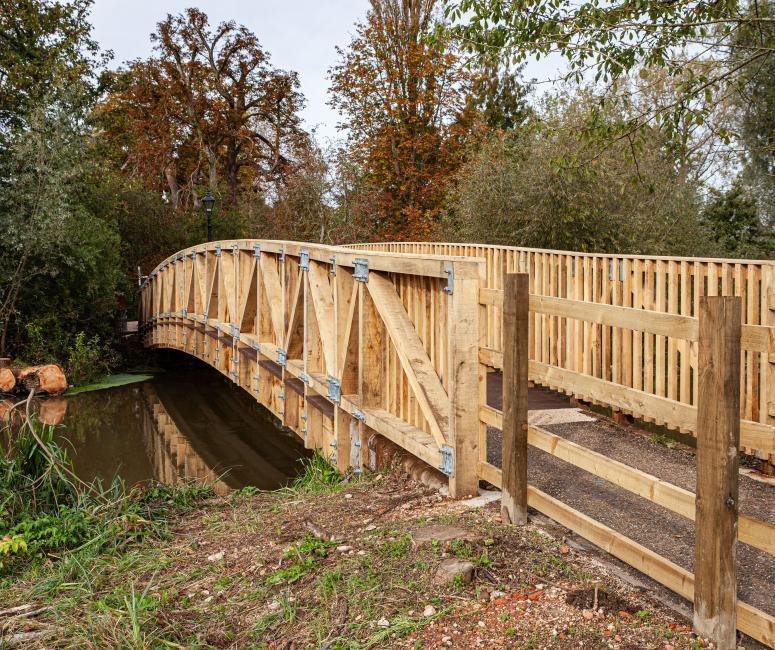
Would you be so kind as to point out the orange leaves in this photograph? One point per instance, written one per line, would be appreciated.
(403, 100)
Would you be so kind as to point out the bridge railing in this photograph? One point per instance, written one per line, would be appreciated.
(337, 343)
(612, 329)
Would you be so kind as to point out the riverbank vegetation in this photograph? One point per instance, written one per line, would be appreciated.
(332, 562)
(52, 521)
(659, 142)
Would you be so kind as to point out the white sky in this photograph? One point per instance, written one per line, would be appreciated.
(300, 35)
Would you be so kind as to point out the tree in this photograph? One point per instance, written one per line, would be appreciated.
(58, 264)
(616, 38)
(733, 220)
(755, 101)
(45, 48)
(300, 210)
(527, 187)
(406, 115)
(208, 109)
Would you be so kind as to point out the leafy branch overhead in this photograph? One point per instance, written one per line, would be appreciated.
(608, 40)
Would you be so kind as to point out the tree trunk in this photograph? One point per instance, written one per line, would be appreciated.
(170, 172)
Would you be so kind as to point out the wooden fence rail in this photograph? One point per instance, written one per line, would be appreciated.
(621, 330)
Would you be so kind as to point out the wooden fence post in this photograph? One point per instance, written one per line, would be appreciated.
(515, 364)
(463, 362)
(718, 442)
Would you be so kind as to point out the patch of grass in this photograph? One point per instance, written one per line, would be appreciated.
(304, 556)
(663, 440)
(318, 476)
(247, 491)
(398, 547)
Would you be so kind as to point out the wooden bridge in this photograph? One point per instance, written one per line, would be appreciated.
(399, 340)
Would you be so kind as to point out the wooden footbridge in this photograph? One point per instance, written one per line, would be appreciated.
(398, 340)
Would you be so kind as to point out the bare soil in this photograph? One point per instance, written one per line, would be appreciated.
(259, 571)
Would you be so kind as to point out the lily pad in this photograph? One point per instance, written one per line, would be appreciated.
(111, 381)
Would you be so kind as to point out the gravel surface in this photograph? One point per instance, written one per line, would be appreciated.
(657, 528)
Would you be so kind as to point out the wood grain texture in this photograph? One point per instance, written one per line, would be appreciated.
(515, 364)
(718, 441)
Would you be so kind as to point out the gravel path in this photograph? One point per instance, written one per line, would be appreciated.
(657, 528)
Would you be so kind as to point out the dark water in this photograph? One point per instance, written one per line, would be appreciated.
(187, 422)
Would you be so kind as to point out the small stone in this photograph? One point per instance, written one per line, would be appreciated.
(344, 548)
(370, 527)
(669, 646)
(617, 638)
(383, 622)
(348, 496)
(208, 599)
(564, 550)
(429, 610)
(497, 594)
(587, 615)
(454, 569)
(361, 552)
(274, 606)
(481, 624)
(216, 557)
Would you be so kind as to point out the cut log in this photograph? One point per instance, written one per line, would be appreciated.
(7, 380)
(48, 378)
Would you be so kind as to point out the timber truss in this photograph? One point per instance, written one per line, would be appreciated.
(339, 344)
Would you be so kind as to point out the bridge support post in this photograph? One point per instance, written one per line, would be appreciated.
(463, 332)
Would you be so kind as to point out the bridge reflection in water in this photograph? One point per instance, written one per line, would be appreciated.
(186, 423)
(214, 440)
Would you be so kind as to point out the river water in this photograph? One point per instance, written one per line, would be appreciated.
(188, 422)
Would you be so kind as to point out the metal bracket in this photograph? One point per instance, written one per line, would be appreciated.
(217, 250)
(281, 396)
(447, 460)
(184, 313)
(256, 250)
(193, 254)
(304, 259)
(361, 271)
(281, 357)
(282, 255)
(332, 259)
(359, 415)
(334, 389)
(303, 378)
(450, 279)
(234, 249)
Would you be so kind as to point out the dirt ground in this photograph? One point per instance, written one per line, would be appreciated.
(257, 571)
(657, 528)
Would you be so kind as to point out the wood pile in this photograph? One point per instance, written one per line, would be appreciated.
(48, 378)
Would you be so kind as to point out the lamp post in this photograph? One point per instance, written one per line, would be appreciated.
(208, 201)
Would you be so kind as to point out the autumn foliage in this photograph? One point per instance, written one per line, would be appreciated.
(403, 97)
(208, 109)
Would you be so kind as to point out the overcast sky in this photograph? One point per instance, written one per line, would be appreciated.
(300, 35)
